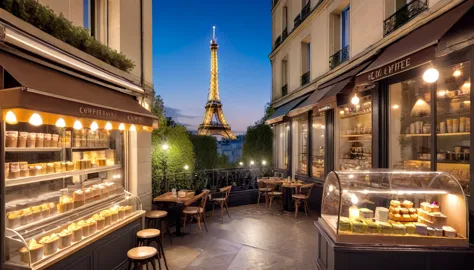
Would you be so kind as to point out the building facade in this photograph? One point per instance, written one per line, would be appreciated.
(351, 87)
(232, 149)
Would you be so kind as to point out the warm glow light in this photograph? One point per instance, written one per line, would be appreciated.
(467, 102)
(94, 126)
(431, 75)
(341, 112)
(401, 192)
(353, 212)
(354, 199)
(251, 162)
(108, 126)
(122, 127)
(420, 101)
(466, 85)
(36, 120)
(77, 125)
(186, 167)
(241, 163)
(355, 99)
(441, 93)
(264, 162)
(133, 128)
(10, 118)
(61, 123)
(395, 106)
(165, 146)
(347, 109)
(331, 188)
(457, 73)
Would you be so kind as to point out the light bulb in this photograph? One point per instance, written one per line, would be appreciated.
(431, 75)
(354, 199)
(94, 126)
(341, 112)
(264, 162)
(108, 126)
(466, 85)
(395, 106)
(355, 99)
(420, 101)
(61, 123)
(133, 128)
(186, 167)
(122, 127)
(441, 93)
(241, 163)
(77, 125)
(457, 73)
(36, 120)
(10, 118)
(165, 146)
(251, 162)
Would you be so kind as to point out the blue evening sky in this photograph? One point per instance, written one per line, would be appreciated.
(182, 31)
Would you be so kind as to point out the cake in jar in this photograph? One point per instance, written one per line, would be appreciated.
(76, 231)
(22, 138)
(107, 215)
(36, 213)
(69, 166)
(49, 168)
(31, 141)
(92, 225)
(100, 220)
(85, 228)
(11, 138)
(45, 211)
(47, 140)
(13, 219)
(51, 244)
(79, 198)
(39, 140)
(65, 238)
(34, 249)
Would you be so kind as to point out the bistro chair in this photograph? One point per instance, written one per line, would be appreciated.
(196, 212)
(153, 219)
(263, 190)
(222, 202)
(305, 192)
(274, 193)
(140, 256)
(147, 236)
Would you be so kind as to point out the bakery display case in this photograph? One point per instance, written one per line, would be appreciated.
(394, 208)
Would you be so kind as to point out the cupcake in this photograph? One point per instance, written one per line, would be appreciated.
(85, 228)
(65, 238)
(13, 219)
(92, 225)
(76, 232)
(100, 220)
(51, 243)
(34, 250)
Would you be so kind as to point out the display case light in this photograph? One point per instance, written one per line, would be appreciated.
(121, 126)
(457, 73)
(36, 120)
(355, 99)
(133, 128)
(10, 118)
(61, 123)
(77, 125)
(94, 126)
(108, 126)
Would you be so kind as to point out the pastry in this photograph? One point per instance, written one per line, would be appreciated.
(438, 219)
(114, 212)
(36, 213)
(433, 207)
(128, 210)
(107, 215)
(410, 228)
(76, 232)
(79, 198)
(358, 226)
(85, 228)
(407, 204)
(405, 217)
(413, 217)
(34, 249)
(344, 224)
(425, 206)
(412, 211)
(52, 208)
(28, 216)
(381, 214)
(69, 166)
(431, 231)
(50, 243)
(399, 228)
(390, 216)
(449, 231)
(65, 204)
(438, 232)
(121, 212)
(65, 238)
(386, 227)
(394, 203)
(373, 227)
(100, 221)
(394, 210)
(50, 168)
(397, 217)
(403, 211)
(89, 195)
(13, 219)
(421, 228)
(365, 213)
(57, 167)
(92, 225)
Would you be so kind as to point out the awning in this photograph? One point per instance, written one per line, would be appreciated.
(415, 48)
(328, 89)
(48, 90)
(283, 110)
(459, 36)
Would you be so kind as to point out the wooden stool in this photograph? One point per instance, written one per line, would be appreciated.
(152, 217)
(140, 256)
(146, 236)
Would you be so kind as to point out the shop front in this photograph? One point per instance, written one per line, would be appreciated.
(409, 109)
(64, 160)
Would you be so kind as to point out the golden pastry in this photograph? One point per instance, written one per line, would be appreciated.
(407, 204)
(51, 243)
(412, 210)
(394, 203)
(403, 211)
(34, 250)
(397, 217)
(65, 237)
(100, 221)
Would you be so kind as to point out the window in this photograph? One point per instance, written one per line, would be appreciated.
(305, 61)
(284, 77)
(281, 133)
(87, 14)
(345, 27)
(340, 37)
(302, 142)
(285, 17)
(317, 143)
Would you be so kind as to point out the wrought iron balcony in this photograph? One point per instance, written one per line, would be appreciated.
(284, 90)
(404, 15)
(297, 21)
(339, 57)
(284, 34)
(305, 78)
(278, 41)
(274, 2)
(305, 11)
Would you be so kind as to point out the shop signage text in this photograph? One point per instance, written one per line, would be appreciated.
(97, 112)
(324, 108)
(389, 69)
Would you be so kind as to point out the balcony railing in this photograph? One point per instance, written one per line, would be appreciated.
(278, 41)
(297, 21)
(274, 2)
(339, 57)
(404, 15)
(305, 78)
(284, 90)
(303, 15)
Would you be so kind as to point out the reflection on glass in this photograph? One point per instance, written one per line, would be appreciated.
(317, 139)
(410, 128)
(281, 133)
(355, 149)
(453, 122)
(302, 145)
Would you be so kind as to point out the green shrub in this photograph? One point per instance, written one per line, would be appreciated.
(59, 27)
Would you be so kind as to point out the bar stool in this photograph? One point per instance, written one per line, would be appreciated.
(147, 236)
(152, 217)
(140, 256)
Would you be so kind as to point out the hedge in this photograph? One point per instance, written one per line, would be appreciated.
(59, 27)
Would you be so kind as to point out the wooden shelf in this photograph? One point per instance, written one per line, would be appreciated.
(415, 135)
(453, 161)
(351, 141)
(24, 149)
(89, 148)
(358, 135)
(51, 176)
(355, 115)
(453, 134)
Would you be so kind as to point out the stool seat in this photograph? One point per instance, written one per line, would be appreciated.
(276, 193)
(142, 253)
(156, 214)
(219, 199)
(300, 196)
(264, 189)
(148, 233)
(193, 210)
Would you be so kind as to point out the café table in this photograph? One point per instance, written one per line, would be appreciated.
(175, 206)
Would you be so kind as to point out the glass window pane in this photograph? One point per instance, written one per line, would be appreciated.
(410, 129)
(317, 140)
(302, 145)
(281, 145)
(453, 122)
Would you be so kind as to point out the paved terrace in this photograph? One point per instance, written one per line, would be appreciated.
(254, 238)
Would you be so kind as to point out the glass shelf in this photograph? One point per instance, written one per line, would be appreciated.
(46, 149)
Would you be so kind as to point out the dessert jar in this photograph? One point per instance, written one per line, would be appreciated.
(47, 140)
(36, 213)
(92, 226)
(45, 211)
(11, 138)
(14, 170)
(121, 212)
(100, 222)
(65, 238)
(76, 234)
(22, 139)
(49, 168)
(54, 140)
(31, 140)
(39, 140)
(13, 220)
(51, 244)
(24, 170)
(36, 251)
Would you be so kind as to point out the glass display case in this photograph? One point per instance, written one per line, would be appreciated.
(355, 128)
(64, 184)
(317, 143)
(388, 207)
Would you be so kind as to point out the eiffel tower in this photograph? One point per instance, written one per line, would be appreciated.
(214, 122)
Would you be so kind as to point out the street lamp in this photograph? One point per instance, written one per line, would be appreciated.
(165, 146)
(186, 167)
(264, 162)
(251, 162)
(241, 163)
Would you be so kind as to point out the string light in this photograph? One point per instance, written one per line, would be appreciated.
(10, 118)
(36, 120)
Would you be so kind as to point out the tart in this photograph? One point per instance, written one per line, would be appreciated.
(34, 250)
(358, 226)
(51, 243)
(394, 210)
(65, 238)
(344, 224)
(405, 217)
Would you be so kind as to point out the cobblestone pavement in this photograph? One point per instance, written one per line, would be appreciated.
(253, 238)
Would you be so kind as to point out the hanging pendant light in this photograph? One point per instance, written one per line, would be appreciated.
(94, 126)
(10, 118)
(77, 125)
(431, 75)
(121, 126)
(61, 123)
(355, 99)
(108, 126)
(36, 120)
(133, 128)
